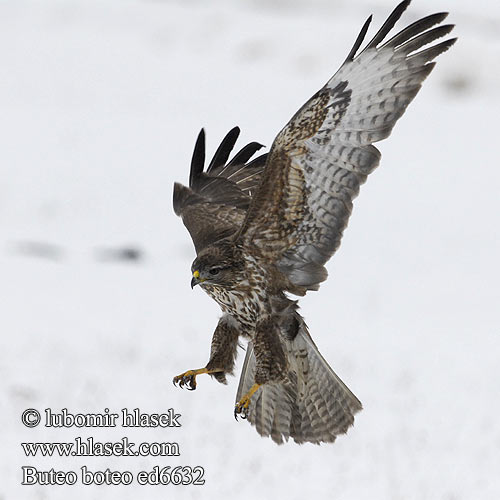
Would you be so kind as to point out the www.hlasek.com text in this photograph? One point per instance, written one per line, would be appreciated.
(91, 448)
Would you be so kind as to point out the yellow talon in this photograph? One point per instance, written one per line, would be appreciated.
(243, 404)
(189, 378)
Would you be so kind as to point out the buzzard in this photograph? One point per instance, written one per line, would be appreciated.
(264, 228)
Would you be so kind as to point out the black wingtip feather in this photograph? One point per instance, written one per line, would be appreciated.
(425, 38)
(389, 24)
(432, 52)
(224, 150)
(416, 28)
(198, 159)
(245, 154)
(359, 40)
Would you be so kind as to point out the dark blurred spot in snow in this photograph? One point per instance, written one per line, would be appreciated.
(37, 249)
(458, 84)
(22, 393)
(120, 254)
(253, 50)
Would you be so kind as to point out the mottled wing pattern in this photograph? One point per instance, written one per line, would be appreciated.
(320, 159)
(311, 405)
(215, 204)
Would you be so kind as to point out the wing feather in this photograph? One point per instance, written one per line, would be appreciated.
(324, 154)
(388, 25)
(215, 204)
(224, 150)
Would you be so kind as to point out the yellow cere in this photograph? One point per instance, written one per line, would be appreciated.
(196, 274)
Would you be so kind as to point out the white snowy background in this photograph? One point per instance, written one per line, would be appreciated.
(100, 105)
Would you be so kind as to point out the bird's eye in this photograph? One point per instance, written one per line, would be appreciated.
(214, 271)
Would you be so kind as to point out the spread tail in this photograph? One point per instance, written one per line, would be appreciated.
(312, 405)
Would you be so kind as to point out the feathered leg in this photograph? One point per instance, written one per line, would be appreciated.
(222, 356)
(271, 362)
(223, 350)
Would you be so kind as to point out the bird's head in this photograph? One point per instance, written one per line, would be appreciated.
(216, 265)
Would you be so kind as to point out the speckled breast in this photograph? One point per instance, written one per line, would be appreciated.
(245, 305)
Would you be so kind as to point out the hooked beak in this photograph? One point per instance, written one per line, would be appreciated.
(196, 279)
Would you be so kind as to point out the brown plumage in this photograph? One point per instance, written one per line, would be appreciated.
(267, 227)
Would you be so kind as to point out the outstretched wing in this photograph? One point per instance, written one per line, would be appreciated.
(319, 160)
(215, 204)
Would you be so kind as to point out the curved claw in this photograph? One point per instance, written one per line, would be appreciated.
(242, 413)
(241, 408)
(243, 405)
(187, 379)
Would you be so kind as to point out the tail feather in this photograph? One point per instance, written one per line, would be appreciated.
(311, 405)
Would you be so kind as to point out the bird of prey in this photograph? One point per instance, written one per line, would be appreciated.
(264, 229)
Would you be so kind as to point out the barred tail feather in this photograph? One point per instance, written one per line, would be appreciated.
(311, 405)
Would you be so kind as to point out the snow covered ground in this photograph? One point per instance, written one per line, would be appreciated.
(100, 106)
